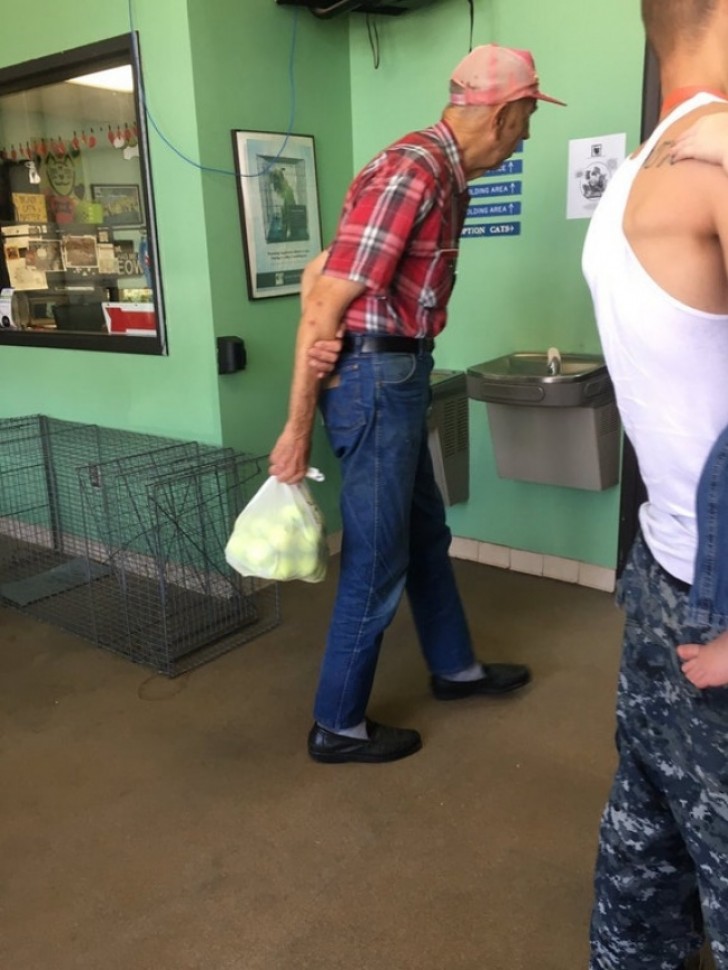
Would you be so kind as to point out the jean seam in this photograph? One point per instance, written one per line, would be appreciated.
(707, 594)
(365, 613)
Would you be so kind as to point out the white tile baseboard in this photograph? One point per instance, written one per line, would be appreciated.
(521, 561)
(534, 564)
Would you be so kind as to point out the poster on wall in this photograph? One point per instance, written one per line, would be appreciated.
(27, 256)
(121, 204)
(496, 201)
(592, 163)
(279, 209)
(30, 207)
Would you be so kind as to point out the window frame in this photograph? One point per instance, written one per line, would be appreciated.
(56, 68)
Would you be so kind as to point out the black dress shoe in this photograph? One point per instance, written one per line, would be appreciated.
(497, 679)
(383, 744)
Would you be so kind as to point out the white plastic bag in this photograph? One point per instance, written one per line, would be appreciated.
(280, 534)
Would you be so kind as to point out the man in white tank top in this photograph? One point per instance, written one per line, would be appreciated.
(655, 260)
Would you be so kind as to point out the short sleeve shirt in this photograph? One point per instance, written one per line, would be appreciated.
(399, 232)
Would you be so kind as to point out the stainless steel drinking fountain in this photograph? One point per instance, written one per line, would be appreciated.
(552, 417)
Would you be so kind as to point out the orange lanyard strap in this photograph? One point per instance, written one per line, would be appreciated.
(681, 95)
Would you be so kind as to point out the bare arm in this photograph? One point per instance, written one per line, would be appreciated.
(322, 356)
(324, 308)
(311, 273)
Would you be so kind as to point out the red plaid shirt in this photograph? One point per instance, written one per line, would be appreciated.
(399, 232)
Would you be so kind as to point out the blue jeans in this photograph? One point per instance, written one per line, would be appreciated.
(395, 536)
(708, 604)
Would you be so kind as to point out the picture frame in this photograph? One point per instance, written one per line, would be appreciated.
(80, 254)
(121, 204)
(279, 209)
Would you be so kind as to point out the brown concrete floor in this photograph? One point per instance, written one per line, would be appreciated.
(148, 824)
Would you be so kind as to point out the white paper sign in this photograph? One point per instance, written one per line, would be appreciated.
(592, 163)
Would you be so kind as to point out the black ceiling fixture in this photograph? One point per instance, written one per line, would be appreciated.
(326, 9)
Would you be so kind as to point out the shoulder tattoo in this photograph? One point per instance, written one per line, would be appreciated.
(660, 155)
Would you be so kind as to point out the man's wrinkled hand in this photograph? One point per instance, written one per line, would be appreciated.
(324, 354)
(288, 460)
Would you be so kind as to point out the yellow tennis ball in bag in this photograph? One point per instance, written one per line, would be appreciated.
(257, 527)
(256, 551)
(317, 575)
(289, 515)
(308, 533)
(237, 546)
(278, 536)
(286, 568)
(306, 562)
(234, 546)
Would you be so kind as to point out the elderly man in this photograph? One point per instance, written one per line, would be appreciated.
(385, 283)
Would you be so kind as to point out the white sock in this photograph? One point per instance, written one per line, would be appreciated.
(359, 731)
(473, 672)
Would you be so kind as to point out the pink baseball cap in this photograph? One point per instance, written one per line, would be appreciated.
(491, 74)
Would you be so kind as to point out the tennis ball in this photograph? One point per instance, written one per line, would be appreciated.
(235, 546)
(285, 569)
(318, 575)
(308, 538)
(289, 515)
(256, 552)
(257, 526)
(306, 564)
(278, 536)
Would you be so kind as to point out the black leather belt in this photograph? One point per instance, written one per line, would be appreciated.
(364, 343)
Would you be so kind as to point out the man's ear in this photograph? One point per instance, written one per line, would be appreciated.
(500, 117)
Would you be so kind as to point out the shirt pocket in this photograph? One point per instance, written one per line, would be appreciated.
(439, 278)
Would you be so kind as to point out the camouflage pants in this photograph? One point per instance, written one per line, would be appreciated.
(662, 868)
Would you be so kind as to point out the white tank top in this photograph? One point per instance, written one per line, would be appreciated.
(669, 365)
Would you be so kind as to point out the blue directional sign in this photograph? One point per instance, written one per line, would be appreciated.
(497, 188)
(494, 200)
(491, 230)
(514, 166)
(494, 209)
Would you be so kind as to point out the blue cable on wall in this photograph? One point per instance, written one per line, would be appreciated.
(191, 161)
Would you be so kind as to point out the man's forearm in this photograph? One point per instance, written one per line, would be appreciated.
(305, 384)
(322, 314)
(311, 273)
(323, 311)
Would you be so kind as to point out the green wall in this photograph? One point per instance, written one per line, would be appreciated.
(175, 395)
(214, 65)
(209, 66)
(241, 54)
(523, 293)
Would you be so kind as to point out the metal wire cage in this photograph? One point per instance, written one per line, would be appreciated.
(119, 537)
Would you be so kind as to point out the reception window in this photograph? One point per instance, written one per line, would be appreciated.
(78, 254)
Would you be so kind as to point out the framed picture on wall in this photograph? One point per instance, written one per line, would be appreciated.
(121, 204)
(279, 209)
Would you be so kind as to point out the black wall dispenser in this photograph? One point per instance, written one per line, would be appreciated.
(231, 355)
